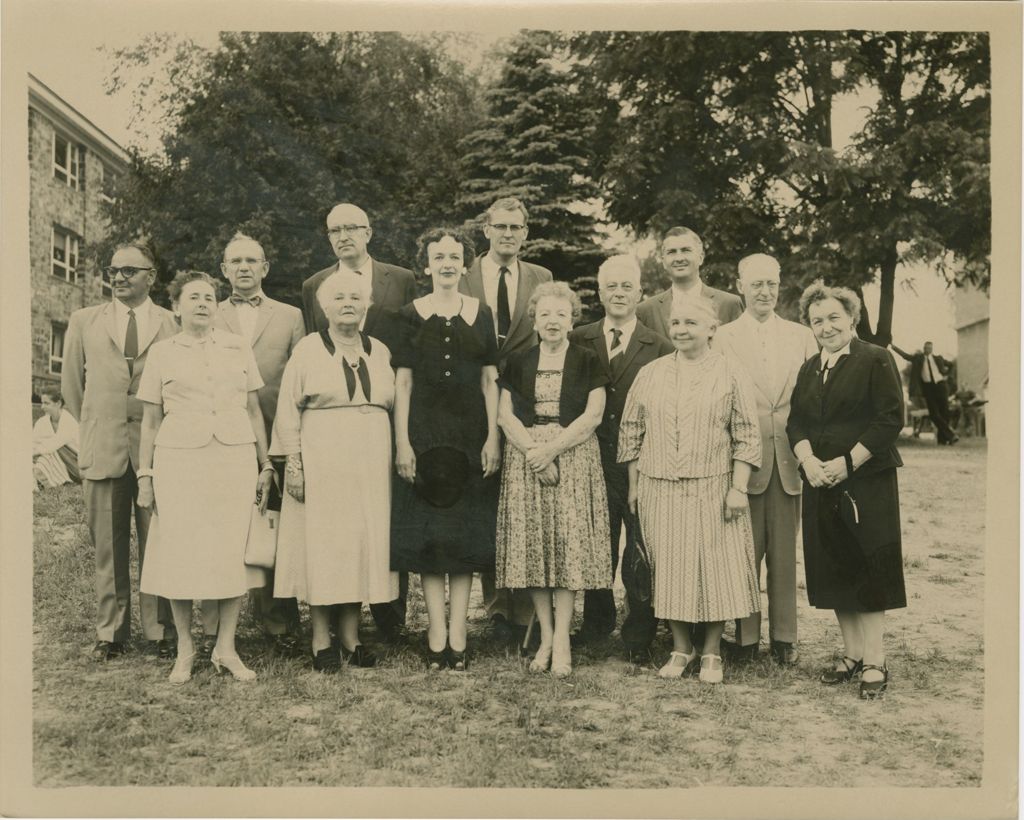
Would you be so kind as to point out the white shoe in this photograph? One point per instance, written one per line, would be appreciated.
(676, 670)
(711, 672)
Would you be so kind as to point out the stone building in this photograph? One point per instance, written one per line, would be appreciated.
(971, 307)
(73, 172)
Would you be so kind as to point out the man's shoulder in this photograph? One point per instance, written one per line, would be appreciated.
(316, 278)
(539, 271)
(285, 309)
(724, 295)
(587, 331)
(391, 270)
(87, 314)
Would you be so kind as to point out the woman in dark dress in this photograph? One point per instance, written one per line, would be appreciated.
(448, 450)
(847, 413)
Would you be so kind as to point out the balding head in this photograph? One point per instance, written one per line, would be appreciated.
(759, 284)
(349, 231)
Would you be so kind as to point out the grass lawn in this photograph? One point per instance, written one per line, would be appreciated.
(611, 724)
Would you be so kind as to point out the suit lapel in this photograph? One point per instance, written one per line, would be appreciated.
(152, 328)
(665, 309)
(229, 317)
(473, 283)
(621, 362)
(381, 279)
(110, 323)
(748, 345)
(527, 282)
(595, 338)
(263, 317)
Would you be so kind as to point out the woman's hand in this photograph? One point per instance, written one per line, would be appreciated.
(631, 495)
(736, 504)
(145, 498)
(540, 456)
(815, 472)
(835, 470)
(405, 462)
(490, 455)
(295, 479)
(548, 477)
(263, 485)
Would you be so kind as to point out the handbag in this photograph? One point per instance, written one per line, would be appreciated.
(636, 566)
(261, 545)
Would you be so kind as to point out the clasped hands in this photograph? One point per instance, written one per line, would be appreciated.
(824, 473)
(541, 459)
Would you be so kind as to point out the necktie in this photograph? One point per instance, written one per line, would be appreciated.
(931, 373)
(242, 300)
(131, 342)
(350, 378)
(616, 341)
(504, 312)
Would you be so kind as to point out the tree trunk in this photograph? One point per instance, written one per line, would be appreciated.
(887, 298)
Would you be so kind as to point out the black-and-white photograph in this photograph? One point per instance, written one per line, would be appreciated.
(552, 406)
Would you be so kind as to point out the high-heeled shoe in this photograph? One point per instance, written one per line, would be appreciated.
(874, 689)
(359, 655)
(676, 670)
(234, 665)
(457, 661)
(542, 660)
(436, 661)
(852, 668)
(182, 671)
(711, 672)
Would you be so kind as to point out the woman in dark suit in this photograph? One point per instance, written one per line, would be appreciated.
(847, 412)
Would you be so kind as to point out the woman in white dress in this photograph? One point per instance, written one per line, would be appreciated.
(54, 442)
(690, 438)
(332, 426)
(202, 439)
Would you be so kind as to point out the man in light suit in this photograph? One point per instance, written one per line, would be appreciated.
(624, 346)
(771, 350)
(504, 282)
(273, 329)
(682, 254)
(104, 354)
(349, 232)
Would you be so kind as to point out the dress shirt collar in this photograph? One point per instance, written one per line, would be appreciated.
(188, 340)
(489, 268)
(366, 268)
(627, 329)
(259, 293)
(829, 359)
(121, 309)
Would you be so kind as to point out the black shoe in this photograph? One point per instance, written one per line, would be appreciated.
(359, 656)
(287, 646)
(205, 647)
(459, 661)
(739, 654)
(327, 661)
(874, 689)
(639, 655)
(165, 648)
(105, 650)
(784, 653)
(436, 661)
(831, 677)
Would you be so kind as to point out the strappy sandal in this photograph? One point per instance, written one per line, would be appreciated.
(831, 677)
(675, 670)
(874, 689)
(712, 672)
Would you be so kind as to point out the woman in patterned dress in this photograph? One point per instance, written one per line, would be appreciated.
(690, 437)
(333, 427)
(448, 449)
(553, 513)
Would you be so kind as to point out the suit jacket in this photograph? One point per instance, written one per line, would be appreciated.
(393, 287)
(795, 344)
(279, 327)
(99, 391)
(862, 401)
(655, 312)
(644, 347)
(521, 335)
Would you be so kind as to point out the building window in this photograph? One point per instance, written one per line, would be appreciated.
(65, 254)
(57, 346)
(67, 161)
(108, 188)
(106, 287)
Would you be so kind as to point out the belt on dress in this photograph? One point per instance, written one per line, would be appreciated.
(546, 420)
(362, 408)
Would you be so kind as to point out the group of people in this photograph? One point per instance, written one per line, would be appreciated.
(466, 427)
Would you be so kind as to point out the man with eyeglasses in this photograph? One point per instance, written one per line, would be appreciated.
(349, 232)
(624, 346)
(504, 282)
(104, 355)
(273, 329)
(771, 350)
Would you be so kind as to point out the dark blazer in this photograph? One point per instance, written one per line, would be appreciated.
(521, 335)
(644, 347)
(655, 312)
(862, 401)
(582, 373)
(393, 287)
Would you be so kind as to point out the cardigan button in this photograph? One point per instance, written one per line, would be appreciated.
(447, 372)
(447, 355)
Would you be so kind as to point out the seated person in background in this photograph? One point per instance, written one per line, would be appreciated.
(55, 443)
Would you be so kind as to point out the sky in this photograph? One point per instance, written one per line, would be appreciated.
(72, 65)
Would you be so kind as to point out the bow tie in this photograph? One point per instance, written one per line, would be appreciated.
(242, 300)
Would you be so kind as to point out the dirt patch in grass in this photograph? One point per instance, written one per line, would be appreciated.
(612, 724)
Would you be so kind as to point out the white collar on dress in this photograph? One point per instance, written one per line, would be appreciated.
(470, 307)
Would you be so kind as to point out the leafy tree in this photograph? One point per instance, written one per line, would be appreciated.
(731, 133)
(535, 144)
(268, 130)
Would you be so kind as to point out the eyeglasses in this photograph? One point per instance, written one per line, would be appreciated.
(125, 272)
(501, 228)
(348, 230)
(248, 261)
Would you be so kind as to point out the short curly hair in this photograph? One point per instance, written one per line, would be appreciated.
(427, 238)
(557, 290)
(818, 291)
(183, 277)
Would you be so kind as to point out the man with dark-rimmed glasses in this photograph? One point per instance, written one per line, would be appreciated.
(104, 354)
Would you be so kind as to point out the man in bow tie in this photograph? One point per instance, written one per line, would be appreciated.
(273, 329)
(771, 350)
(105, 351)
